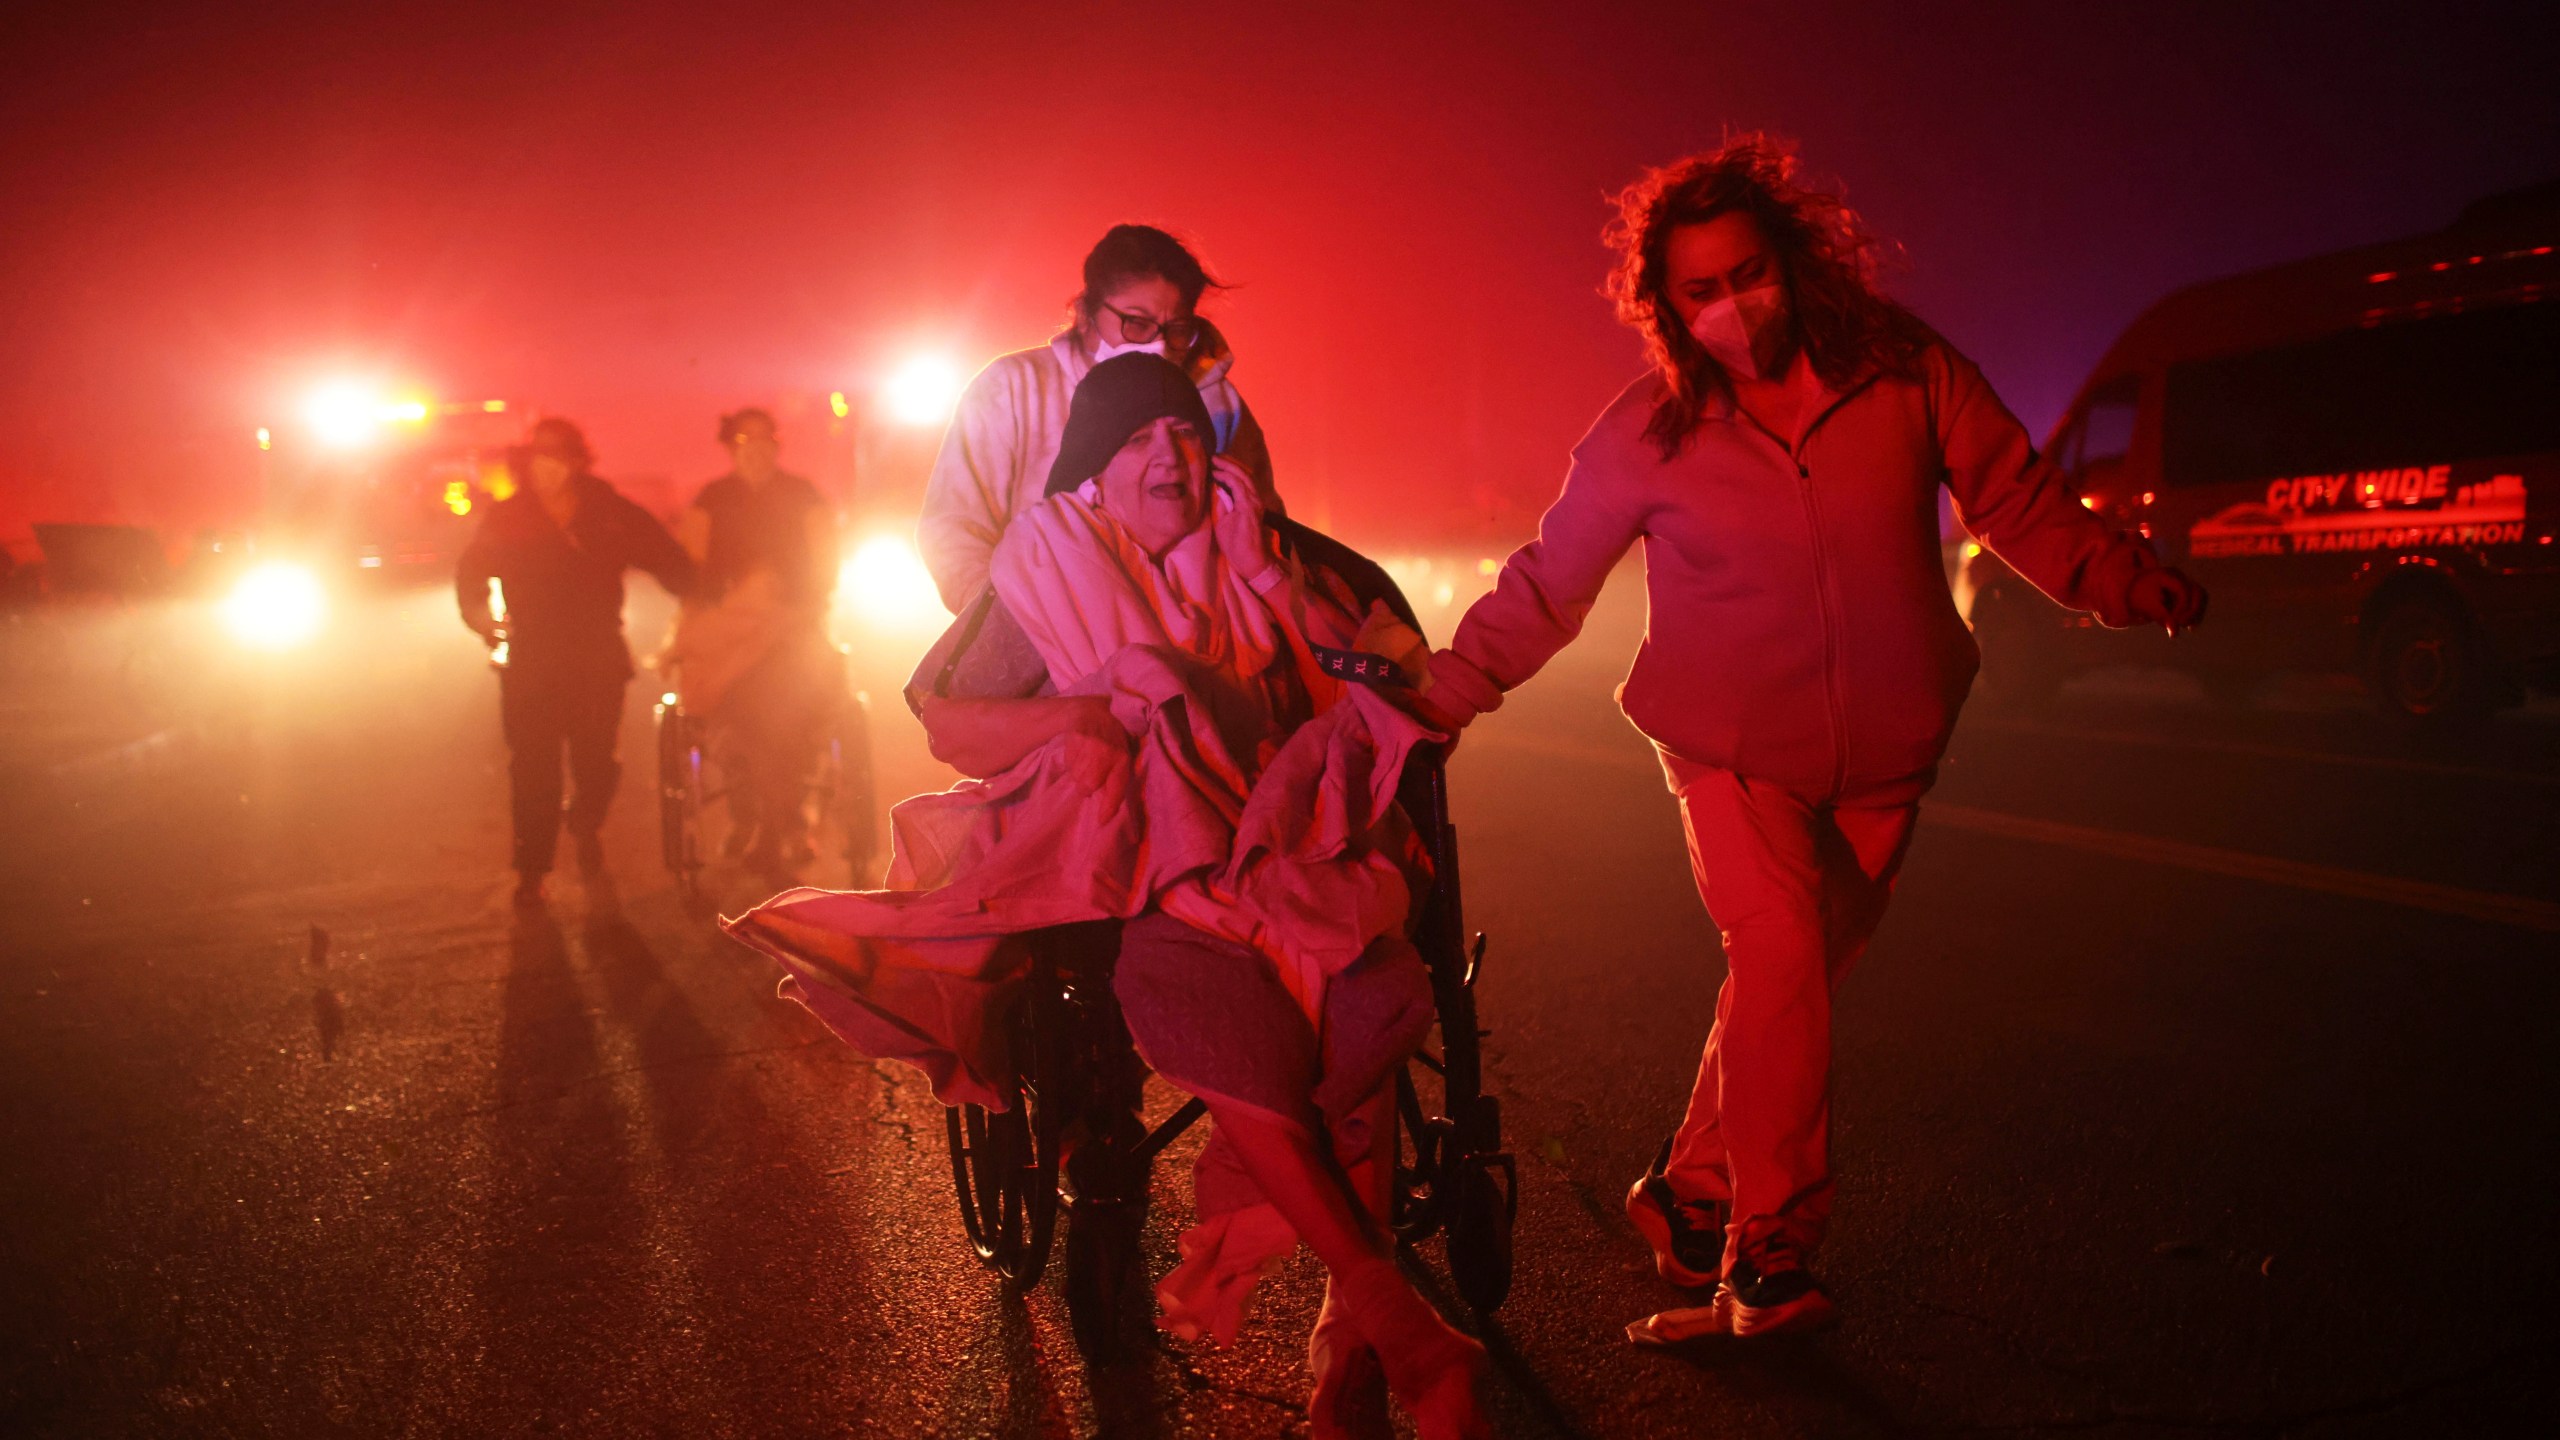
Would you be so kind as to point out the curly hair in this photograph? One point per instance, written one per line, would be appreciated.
(1136, 252)
(1827, 263)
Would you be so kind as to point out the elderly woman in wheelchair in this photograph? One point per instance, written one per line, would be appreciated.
(1155, 707)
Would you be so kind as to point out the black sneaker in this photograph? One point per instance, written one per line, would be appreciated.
(1687, 1236)
(1769, 1290)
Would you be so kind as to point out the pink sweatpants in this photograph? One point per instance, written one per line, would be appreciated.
(1796, 887)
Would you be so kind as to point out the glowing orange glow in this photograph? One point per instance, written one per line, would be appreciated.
(343, 414)
(884, 584)
(923, 391)
(494, 407)
(275, 607)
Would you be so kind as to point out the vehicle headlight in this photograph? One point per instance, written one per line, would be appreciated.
(275, 607)
(884, 584)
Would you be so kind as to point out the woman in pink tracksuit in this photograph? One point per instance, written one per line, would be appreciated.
(1802, 663)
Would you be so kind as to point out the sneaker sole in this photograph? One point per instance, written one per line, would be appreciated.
(1656, 1230)
(1811, 1311)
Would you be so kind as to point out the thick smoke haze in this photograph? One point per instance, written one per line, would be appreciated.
(638, 218)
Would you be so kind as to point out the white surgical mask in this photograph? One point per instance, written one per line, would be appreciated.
(1743, 331)
(1104, 349)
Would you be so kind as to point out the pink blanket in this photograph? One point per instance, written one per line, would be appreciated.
(1254, 801)
(710, 646)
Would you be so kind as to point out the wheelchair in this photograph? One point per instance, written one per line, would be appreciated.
(1075, 1076)
(839, 802)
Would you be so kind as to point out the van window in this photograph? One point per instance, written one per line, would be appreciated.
(2453, 387)
(2105, 432)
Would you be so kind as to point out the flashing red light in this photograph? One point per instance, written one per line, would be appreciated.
(2378, 276)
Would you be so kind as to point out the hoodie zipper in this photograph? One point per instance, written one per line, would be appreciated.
(1826, 585)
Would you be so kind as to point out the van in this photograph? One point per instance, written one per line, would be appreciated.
(2358, 455)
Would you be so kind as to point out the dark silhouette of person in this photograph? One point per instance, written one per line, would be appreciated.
(765, 539)
(558, 548)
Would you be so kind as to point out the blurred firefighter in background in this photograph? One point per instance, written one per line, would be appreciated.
(1141, 294)
(1802, 661)
(558, 548)
(751, 652)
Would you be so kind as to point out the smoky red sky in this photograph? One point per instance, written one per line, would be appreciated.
(637, 217)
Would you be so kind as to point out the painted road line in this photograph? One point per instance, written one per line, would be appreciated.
(2515, 910)
(2254, 750)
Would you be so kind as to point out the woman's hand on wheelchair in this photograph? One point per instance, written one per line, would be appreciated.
(1457, 694)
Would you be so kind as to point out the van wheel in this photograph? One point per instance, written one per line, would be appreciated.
(2425, 668)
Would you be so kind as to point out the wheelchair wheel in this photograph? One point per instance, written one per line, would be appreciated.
(1004, 1163)
(1107, 1181)
(1102, 1261)
(1452, 1175)
(1483, 1200)
(1452, 1179)
(680, 795)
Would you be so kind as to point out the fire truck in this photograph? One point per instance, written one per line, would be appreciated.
(369, 489)
(2359, 454)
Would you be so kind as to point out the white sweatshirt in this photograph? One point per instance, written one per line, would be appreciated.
(1004, 436)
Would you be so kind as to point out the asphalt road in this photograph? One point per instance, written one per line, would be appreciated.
(2202, 1079)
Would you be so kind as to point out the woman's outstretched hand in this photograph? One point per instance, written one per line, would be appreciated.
(1457, 694)
(2168, 598)
(1241, 534)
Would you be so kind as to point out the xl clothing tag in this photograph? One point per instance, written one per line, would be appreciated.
(1357, 665)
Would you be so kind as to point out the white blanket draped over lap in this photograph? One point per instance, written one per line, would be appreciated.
(1220, 813)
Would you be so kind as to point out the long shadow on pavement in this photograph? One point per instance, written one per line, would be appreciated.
(563, 1222)
(760, 1230)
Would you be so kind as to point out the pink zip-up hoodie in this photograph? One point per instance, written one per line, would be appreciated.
(1800, 629)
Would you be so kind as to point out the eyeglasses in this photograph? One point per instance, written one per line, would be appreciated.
(1139, 329)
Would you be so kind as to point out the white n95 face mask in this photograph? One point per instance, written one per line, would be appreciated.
(1104, 349)
(1743, 331)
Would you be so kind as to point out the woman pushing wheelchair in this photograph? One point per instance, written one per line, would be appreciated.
(1150, 693)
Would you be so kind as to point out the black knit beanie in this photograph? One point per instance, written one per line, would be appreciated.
(1117, 398)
